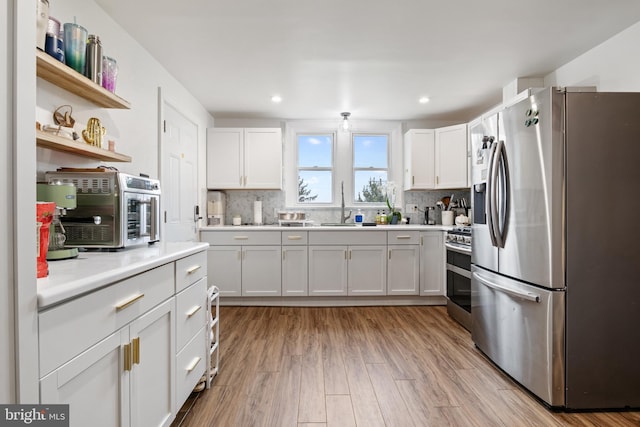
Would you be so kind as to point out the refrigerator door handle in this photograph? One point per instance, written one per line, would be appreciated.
(490, 205)
(503, 177)
(529, 296)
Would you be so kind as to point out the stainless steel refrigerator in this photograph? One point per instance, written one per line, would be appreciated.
(555, 261)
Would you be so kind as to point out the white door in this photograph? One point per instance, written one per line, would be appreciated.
(224, 269)
(419, 162)
(295, 271)
(451, 157)
(328, 270)
(432, 264)
(98, 373)
(225, 157)
(403, 270)
(178, 175)
(367, 273)
(153, 372)
(263, 158)
(261, 271)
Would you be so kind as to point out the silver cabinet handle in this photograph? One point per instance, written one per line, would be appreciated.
(294, 237)
(241, 237)
(403, 237)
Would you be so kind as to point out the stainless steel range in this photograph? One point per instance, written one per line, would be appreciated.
(458, 246)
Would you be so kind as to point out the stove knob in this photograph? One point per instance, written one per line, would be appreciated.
(467, 240)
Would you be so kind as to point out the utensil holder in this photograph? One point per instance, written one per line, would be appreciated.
(447, 217)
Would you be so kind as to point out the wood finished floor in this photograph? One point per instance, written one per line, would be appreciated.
(363, 366)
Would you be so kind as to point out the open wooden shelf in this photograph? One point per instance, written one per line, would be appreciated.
(67, 78)
(58, 143)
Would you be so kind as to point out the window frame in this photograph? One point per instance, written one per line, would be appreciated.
(342, 160)
(355, 169)
(331, 169)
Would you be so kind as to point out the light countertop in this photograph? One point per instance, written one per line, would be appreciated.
(316, 228)
(92, 270)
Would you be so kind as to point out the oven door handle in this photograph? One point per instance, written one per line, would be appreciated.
(458, 270)
(529, 296)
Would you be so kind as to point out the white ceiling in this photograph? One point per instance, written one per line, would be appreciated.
(373, 58)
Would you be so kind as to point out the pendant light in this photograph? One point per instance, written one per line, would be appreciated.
(346, 125)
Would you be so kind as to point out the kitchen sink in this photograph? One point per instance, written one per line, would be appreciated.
(337, 224)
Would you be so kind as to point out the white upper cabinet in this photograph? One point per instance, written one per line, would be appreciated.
(244, 158)
(451, 157)
(419, 165)
(435, 159)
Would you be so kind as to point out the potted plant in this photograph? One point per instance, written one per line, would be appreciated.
(394, 216)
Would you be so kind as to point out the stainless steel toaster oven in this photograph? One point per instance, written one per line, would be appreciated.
(114, 209)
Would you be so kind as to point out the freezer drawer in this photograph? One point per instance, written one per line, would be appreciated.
(521, 328)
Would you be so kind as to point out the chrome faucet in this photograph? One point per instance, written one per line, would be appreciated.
(343, 218)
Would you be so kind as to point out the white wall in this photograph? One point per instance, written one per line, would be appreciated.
(136, 130)
(7, 366)
(613, 66)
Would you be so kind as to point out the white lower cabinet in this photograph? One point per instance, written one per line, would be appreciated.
(326, 262)
(432, 263)
(403, 270)
(328, 270)
(261, 271)
(367, 270)
(347, 263)
(96, 372)
(152, 390)
(244, 263)
(295, 270)
(245, 270)
(111, 354)
(131, 372)
(347, 270)
(225, 269)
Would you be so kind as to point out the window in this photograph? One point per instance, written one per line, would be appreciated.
(370, 167)
(315, 168)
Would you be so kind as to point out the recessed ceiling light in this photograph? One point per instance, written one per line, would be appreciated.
(423, 100)
(276, 98)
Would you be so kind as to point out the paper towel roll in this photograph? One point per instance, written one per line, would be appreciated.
(257, 212)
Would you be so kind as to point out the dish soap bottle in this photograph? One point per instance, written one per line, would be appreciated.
(359, 218)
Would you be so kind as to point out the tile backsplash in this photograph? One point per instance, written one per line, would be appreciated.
(240, 202)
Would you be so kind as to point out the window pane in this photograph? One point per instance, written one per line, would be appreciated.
(370, 186)
(370, 151)
(315, 150)
(314, 186)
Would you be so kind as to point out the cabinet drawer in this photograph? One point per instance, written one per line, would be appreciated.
(347, 238)
(240, 237)
(72, 327)
(191, 364)
(191, 312)
(403, 237)
(190, 269)
(294, 237)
